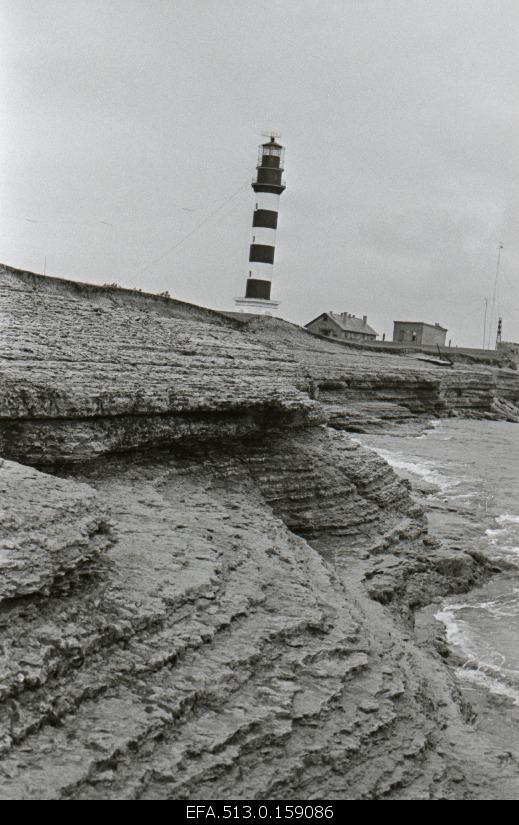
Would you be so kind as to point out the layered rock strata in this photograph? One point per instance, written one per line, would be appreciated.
(221, 604)
(86, 371)
(361, 390)
(80, 377)
(212, 653)
(49, 531)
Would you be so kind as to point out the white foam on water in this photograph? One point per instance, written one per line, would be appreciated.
(481, 632)
(504, 606)
(498, 609)
(454, 628)
(424, 469)
(492, 675)
(500, 537)
(510, 550)
(482, 679)
(506, 518)
(493, 535)
(458, 632)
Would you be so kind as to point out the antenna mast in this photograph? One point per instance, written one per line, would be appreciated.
(494, 294)
(499, 331)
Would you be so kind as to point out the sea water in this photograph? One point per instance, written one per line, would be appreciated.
(474, 504)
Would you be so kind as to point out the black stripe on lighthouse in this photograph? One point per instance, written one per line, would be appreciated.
(258, 288)
(261, 253)
(265, 217)
(268, 176)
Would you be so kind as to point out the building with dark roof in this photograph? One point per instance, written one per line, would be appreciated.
(342, 325)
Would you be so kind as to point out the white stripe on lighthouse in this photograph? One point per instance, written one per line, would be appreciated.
(267, 200)
(261, 271)
(263, 235)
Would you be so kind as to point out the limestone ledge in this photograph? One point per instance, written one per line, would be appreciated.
(63, 356)
(213, 653)
(250, 631)
(62, 441)
(361, 390)
(49, 529)
(86, 371)
(84, 374)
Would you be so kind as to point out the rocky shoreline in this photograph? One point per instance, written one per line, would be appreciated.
(208, 588)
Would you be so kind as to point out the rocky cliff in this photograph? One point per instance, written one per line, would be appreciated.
(212, 595)
(84, 373)
(362, 389)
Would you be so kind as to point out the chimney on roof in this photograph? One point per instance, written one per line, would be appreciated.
(364, 319)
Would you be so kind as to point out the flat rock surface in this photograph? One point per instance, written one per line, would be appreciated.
(66, 356)
(48, 528)
(85, 372)
(365, 389)
(225, 609)
(213, 653)
(83, 375)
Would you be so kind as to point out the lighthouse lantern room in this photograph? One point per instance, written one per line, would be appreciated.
(268, 186)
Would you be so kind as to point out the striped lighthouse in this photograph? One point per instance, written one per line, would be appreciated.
(267, 186)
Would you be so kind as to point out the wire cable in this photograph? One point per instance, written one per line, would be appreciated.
(207, 218)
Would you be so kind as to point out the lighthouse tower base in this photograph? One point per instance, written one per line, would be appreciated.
(256, 306)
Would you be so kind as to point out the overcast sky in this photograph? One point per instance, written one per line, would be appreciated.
(129, 124)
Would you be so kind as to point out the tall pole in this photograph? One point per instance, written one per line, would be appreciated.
(485, 324)
(494, 294)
